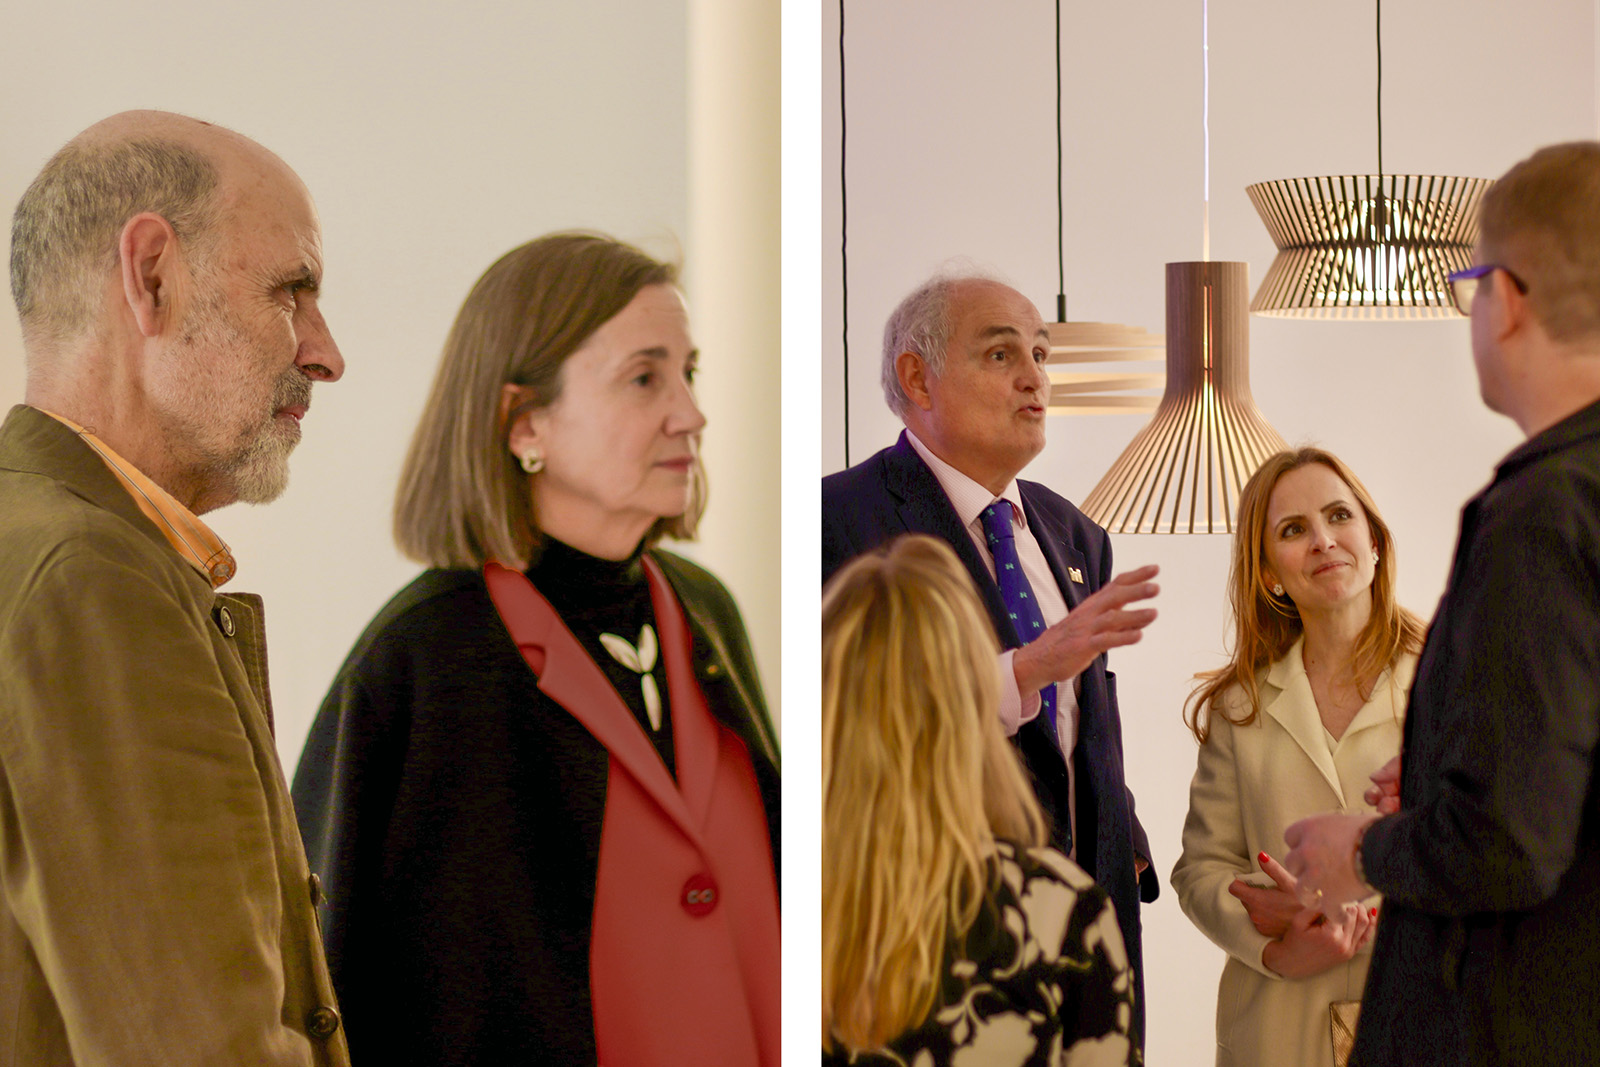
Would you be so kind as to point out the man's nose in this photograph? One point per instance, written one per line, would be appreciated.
(319, 355)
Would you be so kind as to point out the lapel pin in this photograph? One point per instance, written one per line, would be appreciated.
(1075, 574)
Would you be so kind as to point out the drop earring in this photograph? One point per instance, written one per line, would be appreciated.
(532, 461)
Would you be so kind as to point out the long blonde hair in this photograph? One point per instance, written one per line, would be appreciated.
(1266, 626)
(917, 782)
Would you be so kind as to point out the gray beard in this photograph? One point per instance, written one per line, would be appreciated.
(260, 471)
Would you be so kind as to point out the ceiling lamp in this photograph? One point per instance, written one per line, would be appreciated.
(1107, 391)
(1366, 246)
(1183, 472)
(1114, 390)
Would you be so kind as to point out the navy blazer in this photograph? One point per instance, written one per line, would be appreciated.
(893, 493)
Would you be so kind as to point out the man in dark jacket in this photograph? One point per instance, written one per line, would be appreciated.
(963, 367)
(1487, 948)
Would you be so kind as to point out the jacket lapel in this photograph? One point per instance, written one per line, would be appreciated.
(1388, 701)
(1295, 709)
(694, 736)
(924, 508)
(567, 675)
(1065, 560)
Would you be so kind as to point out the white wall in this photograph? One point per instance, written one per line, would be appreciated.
(434, 139)
(952, 153)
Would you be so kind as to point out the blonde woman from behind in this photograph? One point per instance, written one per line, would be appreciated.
(950, 934)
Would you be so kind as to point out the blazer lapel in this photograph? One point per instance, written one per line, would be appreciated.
(1065, 560)
(1388, 701)
(694, 736)
(567, 675)
(1295, 709)
(924, 508)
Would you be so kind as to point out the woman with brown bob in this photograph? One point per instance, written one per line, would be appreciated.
(542, 794)
(1308, 710)
(950, 933)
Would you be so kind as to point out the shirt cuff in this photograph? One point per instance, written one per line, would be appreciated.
(1015, 708)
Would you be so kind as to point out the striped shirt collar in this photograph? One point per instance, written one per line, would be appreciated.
(188, 536)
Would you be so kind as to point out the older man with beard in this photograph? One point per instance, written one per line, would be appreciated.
(155, 905)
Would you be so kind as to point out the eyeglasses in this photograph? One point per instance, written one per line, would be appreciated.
(1464, 284)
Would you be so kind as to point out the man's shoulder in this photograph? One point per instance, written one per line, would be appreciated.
(867, 478)
(44, 523)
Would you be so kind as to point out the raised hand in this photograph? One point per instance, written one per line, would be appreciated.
(1271, 908)
(1313, 943)
(1321, 857)
(1101, 622)
(1385, 792)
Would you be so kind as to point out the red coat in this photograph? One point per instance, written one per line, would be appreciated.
(684, 948)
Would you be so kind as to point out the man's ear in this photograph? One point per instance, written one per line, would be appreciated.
(913, 375)
(150, 264)
(517, 423)
(1509, 311)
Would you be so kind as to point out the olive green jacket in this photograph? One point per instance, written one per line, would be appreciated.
(155, 904)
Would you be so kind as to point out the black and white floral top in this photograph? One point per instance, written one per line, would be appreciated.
(1041, 980)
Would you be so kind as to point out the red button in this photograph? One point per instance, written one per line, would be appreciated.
(699, 895)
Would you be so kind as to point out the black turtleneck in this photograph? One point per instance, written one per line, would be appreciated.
(595, 596)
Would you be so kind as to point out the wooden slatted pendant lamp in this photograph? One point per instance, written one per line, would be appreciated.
(1183, 472)
(1113, 390)
(1366, 246)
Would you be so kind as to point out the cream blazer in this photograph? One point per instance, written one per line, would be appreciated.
(1251, 783)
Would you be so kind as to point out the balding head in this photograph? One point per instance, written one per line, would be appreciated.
(65, 230)
(167, 274)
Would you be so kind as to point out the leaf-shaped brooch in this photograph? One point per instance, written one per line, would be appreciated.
(640, 660)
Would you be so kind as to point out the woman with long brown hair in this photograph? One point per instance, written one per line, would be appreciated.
(950, 932)
(1309, 707)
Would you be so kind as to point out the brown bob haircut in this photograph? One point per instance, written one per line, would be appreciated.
(463, 498)
(1266, 625)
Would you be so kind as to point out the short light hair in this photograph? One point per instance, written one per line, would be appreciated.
(918, 782)
(65, 230)
(1543, 219)
(463, 499)
(921, 324)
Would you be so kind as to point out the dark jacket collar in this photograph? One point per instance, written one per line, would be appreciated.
(1581, 425)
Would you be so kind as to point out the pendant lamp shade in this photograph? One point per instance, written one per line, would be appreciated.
(1183, 472)
(1364, 246)
(1113, 388)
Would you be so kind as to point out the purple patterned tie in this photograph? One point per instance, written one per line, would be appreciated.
(1015, 590)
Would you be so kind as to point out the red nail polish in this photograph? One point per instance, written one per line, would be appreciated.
(1373, 914)
(1261, 857)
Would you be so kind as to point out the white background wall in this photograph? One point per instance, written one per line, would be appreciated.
(951, 152)
(434, 139)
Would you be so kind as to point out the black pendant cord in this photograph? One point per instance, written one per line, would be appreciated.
(1061, 221)
(1379, 4)
(844, 244)
(1382, 219)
